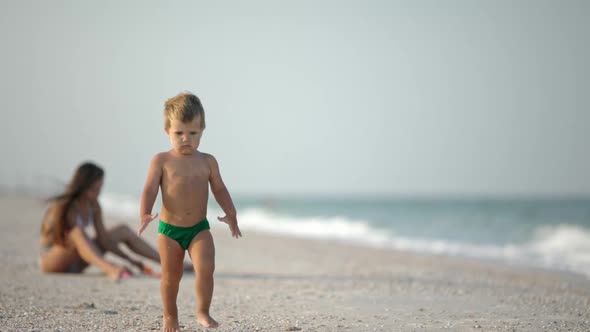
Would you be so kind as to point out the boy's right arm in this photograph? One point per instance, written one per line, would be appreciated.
(150, 192)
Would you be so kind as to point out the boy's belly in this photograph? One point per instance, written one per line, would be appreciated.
(184, 199)
(184, 210)
(182, 218)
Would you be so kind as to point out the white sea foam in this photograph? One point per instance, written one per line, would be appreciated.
(121, 206)
(563, 246)
(335, 228)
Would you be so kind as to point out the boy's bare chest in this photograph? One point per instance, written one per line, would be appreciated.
(186, 171)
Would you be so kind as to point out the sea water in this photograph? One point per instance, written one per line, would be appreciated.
(549, 233)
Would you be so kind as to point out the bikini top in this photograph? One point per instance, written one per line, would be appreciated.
(84, 224)
(80, 222)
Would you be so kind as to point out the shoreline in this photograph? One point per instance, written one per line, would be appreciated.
(281, 283)
(497, 256)
(492, 263)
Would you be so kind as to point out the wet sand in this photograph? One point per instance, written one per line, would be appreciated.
(273, 283)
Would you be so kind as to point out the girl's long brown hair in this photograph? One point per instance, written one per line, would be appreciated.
(86, 175)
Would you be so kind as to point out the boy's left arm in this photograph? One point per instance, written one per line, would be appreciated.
(223, 197)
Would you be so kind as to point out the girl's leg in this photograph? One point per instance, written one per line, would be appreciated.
(202, 252)
(172, 256)
(124, 234)
(59, 259)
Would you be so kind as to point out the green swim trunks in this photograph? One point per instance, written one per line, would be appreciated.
(183, 235)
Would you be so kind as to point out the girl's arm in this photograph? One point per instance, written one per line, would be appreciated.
(88, 250)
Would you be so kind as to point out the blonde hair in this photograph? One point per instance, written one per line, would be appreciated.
(185, 107)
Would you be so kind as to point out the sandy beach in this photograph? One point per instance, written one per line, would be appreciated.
(273, 283)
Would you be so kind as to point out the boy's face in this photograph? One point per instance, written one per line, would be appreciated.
(185, 137)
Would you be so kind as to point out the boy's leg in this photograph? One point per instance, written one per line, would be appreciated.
(202, 252)
(172, 256)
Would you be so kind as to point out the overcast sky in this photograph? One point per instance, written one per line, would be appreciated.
(305, 97)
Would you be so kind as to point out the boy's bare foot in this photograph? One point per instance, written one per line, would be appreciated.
(206, 321)
(171, 325)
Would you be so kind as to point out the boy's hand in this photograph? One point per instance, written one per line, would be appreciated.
(145, 220)
(233, 225)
